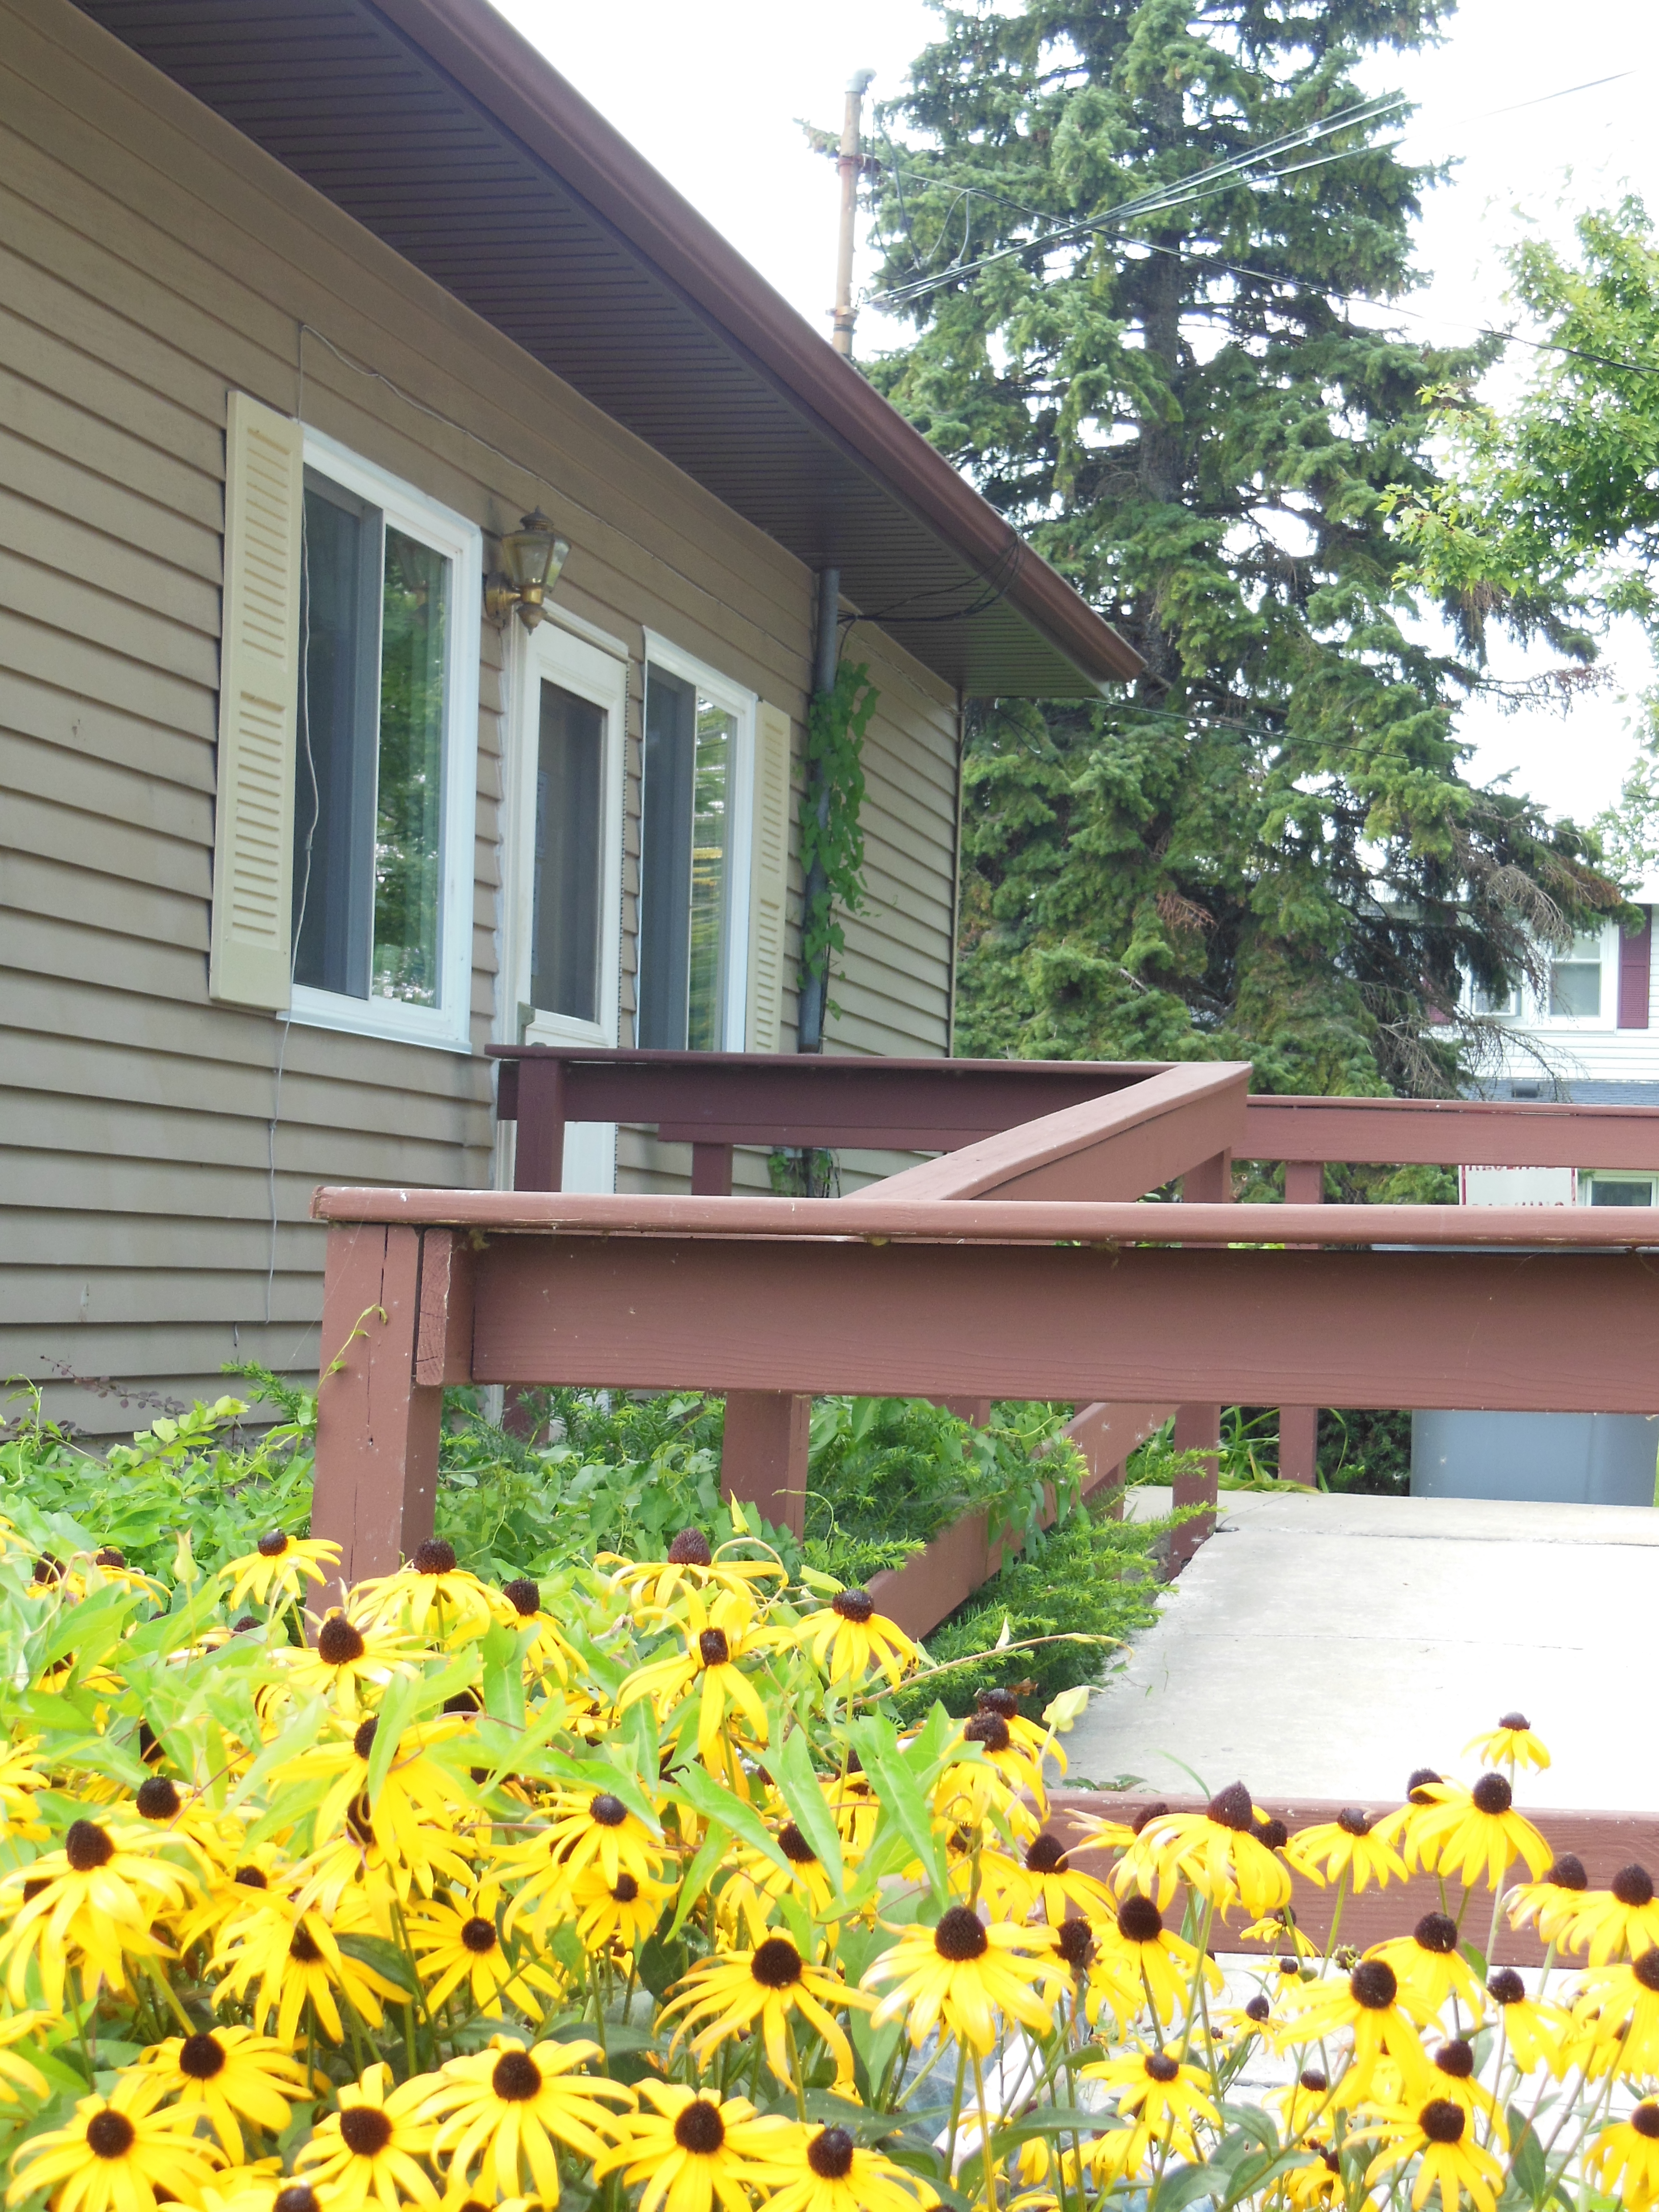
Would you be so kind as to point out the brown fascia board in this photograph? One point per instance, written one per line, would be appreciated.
(506, 75)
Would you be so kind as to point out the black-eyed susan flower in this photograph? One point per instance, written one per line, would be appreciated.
(724, 1996)
(229, 2075)
(1399, 1826)
(688, 2149)
(750, 1897)
(1138, 1961)
(432, 1597)
(1624, 1917)
(20, 1780)
(410, 1821)
(547, 1652)
(280, 1566)
(1217, 1850)
(817, 2169)
(617, 1915)
(590, 1828)
(1474, 1833)
(1438, 2134)
(1346, 1848)
(1511, 1743)
(1616, 2016)
(1534, 2030)
(1623, 2160)
(504, 2111)
(1301, 2104)
(692, 1565)
(1452, 2077)
(1428, 1965)
(18, 2076)
(1043, 1878)
(1367, 2003)
(115, 2155)
(371, 2149)
(295, 1959)
(346, 1659)
(958, 1975)
(91, 1905)
(1549, 1903)
(1318, 2184)
(1162, 2092)
(709, 1672)
(456, 1939)
(848, 1636)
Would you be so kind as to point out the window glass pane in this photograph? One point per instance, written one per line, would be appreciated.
(1605, 1192)
(564, 928)
(334, 783)
(711, 831)
(1576, 982)
(409, 804)
(670, 738)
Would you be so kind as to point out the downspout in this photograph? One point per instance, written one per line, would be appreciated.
(955, 883)
(815, 989)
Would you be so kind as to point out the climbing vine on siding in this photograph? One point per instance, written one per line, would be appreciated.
(831, 831)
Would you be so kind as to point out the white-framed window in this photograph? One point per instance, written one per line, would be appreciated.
(1614, 1187)
(695, 841)
(385, 756)
(1581, 993)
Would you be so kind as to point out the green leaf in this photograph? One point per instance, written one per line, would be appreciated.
(875, 1742)
(700, 1790)
(790, 1764)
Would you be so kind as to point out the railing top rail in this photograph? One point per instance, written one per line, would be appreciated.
(867, 1217)
(828, 1067)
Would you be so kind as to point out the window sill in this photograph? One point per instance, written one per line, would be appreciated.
(377, 1017)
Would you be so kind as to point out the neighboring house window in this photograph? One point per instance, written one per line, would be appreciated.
(1575, 989)
(696, 811)
(1596, 1188)
(387, 756)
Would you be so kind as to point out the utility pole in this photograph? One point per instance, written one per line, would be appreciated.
(850, 163)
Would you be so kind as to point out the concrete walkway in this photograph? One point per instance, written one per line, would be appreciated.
(1325, 1646)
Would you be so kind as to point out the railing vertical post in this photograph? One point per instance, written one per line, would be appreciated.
(1198, 1428)
(377, 1432)
(764, 1454)
(711, 1170)
(538, 1150)
(1298, 1426)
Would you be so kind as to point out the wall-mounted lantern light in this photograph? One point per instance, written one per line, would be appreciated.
(531, 556)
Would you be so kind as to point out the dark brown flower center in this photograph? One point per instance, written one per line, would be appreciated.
(362, 1741)
(250, 1877)
(1313, 2081)
(1258, 2010)
(1645, 2121)
(1436, 1932)
(201, 2057)
(960, 1935)
(48, 1569)
(244, 1622)
(713, 1649)
(303, 1946)
(434, 1557)
(33, 1888)
(1138, 1920)
(523, 1595)
(1646, 1970)
(1506, 1987)
(157, 1799)
(1372, 1985)
(338, 1643)
(830, 2154)
(988, 1729)
(1353, 1822)
(1147, 1814)
(516, 2078)
(478, 1935)
(1442, 2121)
(776, 1963)
(854, 1604)
(997, 1701)
(1633, 1886)
(1074, 1943)
(1045, 1854)
(1456, 2058)
(1232, 1809)
(700, 2128)
(626, 1889)
(1415, 1782)
(296, 2197)
(794, 1846)
(364, 2129)
(273, 1544)
(111, 1555)
(1491, 1795)
(1160, 2067)
(690, 1548)
(609, 1812)
(110, 2135)
(87, 1846)
(1567, 1873)
(1513, 1721)
(1272, 1835)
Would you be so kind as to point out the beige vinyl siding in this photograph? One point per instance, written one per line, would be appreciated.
(152, 260)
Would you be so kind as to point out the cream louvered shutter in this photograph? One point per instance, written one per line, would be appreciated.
(251, 951)
(769, 884)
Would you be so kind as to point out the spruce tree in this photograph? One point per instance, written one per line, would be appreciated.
(1267, 850)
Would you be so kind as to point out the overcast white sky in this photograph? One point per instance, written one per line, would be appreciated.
(709, 94)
